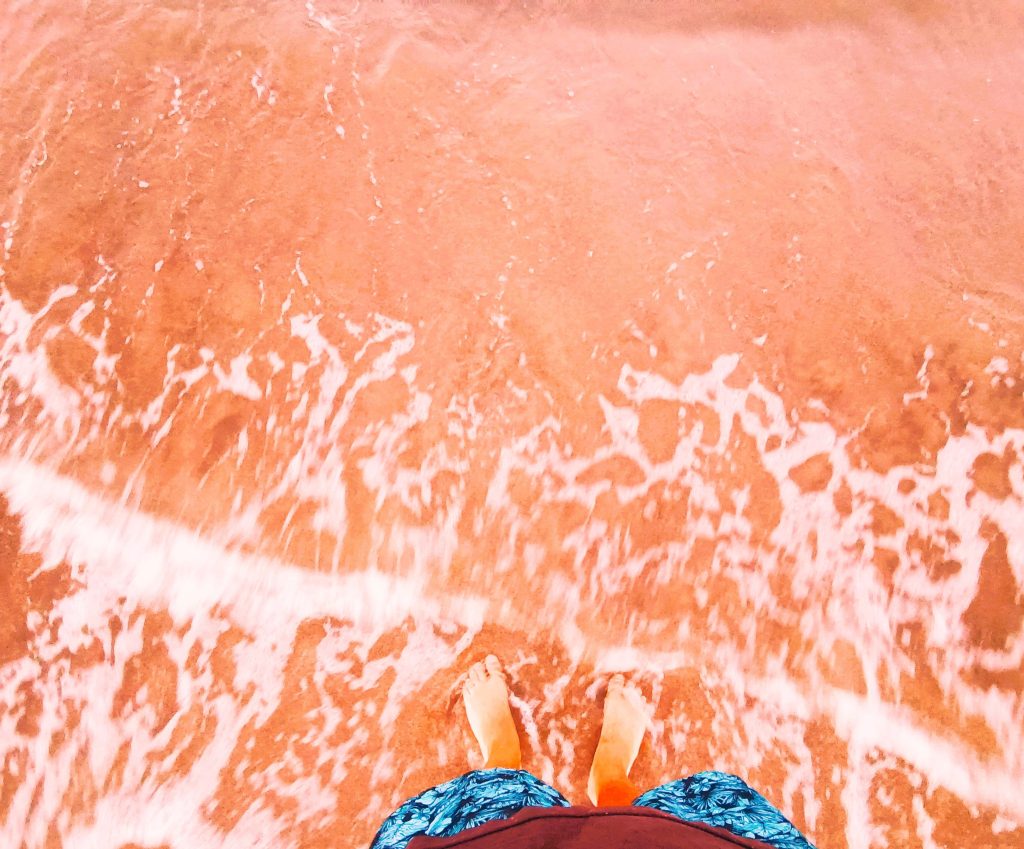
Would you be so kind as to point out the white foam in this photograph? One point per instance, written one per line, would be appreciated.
(186, 573)
(237, 380)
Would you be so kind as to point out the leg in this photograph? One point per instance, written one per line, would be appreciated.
(497, 791)
(625, 720)
(723, 800)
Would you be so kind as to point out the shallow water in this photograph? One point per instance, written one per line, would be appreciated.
(343, 343)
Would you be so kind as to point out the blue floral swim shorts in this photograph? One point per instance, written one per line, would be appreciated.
(713, 798)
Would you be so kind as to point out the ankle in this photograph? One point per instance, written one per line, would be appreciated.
(505, 756)
(618, 791)
(607, 771)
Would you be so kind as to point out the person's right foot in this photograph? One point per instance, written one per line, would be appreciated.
(486, 699)
(625, 720)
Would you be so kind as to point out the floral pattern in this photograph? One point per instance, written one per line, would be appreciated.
(714, 798)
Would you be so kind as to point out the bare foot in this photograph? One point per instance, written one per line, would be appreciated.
(625, 720)
(486, 699)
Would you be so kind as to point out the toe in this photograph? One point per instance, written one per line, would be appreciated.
(476, 673)
(617, 682)
(493, 665)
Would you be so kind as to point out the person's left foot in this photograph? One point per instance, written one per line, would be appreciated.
(486, 699)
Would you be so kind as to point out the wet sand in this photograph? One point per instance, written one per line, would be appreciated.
(341, 344)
